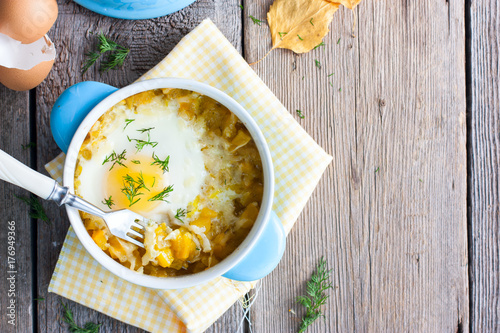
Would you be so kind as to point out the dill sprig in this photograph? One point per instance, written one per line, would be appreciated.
(180, 213)
(115, 158)
(318, 64)
(163, 164)
(140, 144)
(255, 20)
(73, 327)
(36, 208)
(300, 37)
(116, 54)
(108, 202)
(136, 161)
(311, 21)
(316, 297)
(301, 116)
(162, 196)
(145, 129)
(132, 189)
(127, 122)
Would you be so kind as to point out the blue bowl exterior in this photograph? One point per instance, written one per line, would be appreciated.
(72, 107)
(265, 254)
(134, 9)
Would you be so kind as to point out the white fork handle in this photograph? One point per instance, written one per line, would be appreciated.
(15, 172)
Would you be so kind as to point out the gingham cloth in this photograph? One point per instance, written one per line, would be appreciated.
(204, 55)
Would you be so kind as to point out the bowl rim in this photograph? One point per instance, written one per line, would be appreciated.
(191, 279)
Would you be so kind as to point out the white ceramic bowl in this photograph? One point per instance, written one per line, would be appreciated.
(188, 280)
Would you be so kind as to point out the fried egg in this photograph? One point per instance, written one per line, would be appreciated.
(150, 161)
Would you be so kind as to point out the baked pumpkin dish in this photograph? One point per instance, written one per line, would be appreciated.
(184, 162)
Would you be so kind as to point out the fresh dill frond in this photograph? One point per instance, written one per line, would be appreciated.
(241, 6)
(180, 213)
(73, 327)
(300, 37)
(115, 53)
(311, 21)
(255, 20)
(108, 202)
(316, 295)
(136, 161)
(116, 159)
(301, 116)
(141, 182)
(36, 208)
(162, 196)
(338, 41)
(330, 74)
(140, 144)
(127, 122)
(318, 64)
(163, 164)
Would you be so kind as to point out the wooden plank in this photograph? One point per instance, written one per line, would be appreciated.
(484, 166)
(15, 131)
(390, 213)
(149, 41)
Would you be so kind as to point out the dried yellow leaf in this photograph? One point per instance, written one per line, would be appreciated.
(300, 25)
(346, 3)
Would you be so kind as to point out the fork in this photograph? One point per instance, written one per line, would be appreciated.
(120, 223)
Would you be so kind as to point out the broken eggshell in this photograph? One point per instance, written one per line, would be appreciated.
(24, 66)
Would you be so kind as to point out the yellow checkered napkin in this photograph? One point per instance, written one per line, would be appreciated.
(204, 55)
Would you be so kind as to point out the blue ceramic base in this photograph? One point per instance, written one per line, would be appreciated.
(134, 9)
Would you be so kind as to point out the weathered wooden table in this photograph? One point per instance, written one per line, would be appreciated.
(407, 214)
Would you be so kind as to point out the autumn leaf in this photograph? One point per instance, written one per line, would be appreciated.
(309, 19)
(346, 3)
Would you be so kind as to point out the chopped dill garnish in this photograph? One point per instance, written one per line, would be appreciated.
(140, 144)
(116, 159)
(180, 213)
(320, 44)
(330, 74)
(29, 145)
(131, 189)
(141, 182)
(301, 116)
(145, 129)
(241, 6)
(136, 161)
(311, 21)
(36, 208)
(162, 196)
(108, 202)
(331, 84)
(256, 21)
(73, 327)
(128, 121)
(316, 297)
(300, 37)
(340, 89)
(377, 170)
(282, 34)
(338, 41)
(162, 164)
(39, 299)
(318, 64)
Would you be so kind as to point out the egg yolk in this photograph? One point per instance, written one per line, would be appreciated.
(132, 185)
